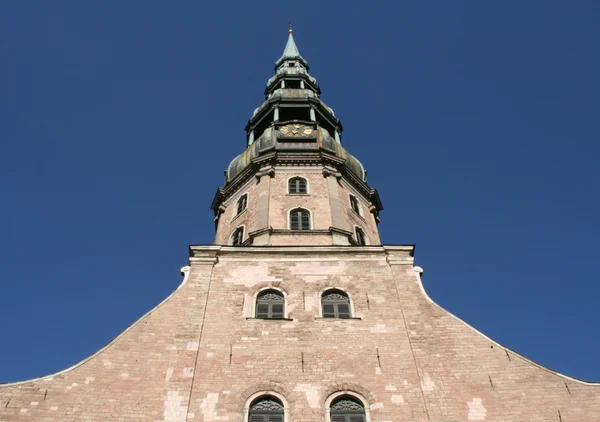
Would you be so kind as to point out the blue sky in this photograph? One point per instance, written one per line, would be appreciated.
(478, 123)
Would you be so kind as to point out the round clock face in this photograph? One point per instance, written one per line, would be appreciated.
(296, 130)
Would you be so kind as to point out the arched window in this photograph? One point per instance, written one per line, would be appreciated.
(297, 185)
(354, 204)
(300, 219)
(241, 203)
(335, 304)
(266, 409)
(270, 304)
(347, 409)
(237, 238)
(361, 239)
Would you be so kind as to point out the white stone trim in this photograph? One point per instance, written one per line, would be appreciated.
(287, 185)
(310, 219)
(362, 201)
(262, 289)
(341, 289)
(418, 271)
(244, 234)
(286, 406)
(235, 214)
(355, 395)
(367, 240)
(360, 206)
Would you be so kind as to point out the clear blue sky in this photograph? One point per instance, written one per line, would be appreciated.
(478, 123)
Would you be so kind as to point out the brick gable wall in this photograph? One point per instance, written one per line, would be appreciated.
(199, 356)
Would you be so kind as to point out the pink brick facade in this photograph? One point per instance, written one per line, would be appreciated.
(200, 355)
(203, 355)
(322, 190)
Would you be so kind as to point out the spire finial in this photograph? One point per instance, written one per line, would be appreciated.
(290, 31)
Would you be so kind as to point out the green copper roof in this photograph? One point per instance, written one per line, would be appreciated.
(291, 51)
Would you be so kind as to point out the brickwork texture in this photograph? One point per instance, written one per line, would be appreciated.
(200, 355)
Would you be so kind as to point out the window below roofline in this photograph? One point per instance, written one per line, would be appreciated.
(300, 219)
(237, 237)
(360, 237)
(306, 187)
(255, 298)
(243, 198)
(336, 309)
(353, 395)
(268, 395)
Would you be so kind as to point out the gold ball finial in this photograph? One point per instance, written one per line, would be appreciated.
(290, 31)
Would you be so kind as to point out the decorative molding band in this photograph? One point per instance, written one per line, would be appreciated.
(300, 250)
(267, 229)
(397, 260)
(204, 261)
(204, 255)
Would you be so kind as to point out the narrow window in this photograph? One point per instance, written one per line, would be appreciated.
(241, 203)
(266, 409)
(299, 219)
(361, 239)
(297, 185)
(335, 304)
(347, 409)
(354, 204)
(270, 304)
(237, 238)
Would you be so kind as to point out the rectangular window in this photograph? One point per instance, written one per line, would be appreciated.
(277, 310)
(262, 310)
(360, 237)
(297, 185)
(343, 310)
(238, 237)
(300, 220)
(354, 204)
(328, 310)
(242, 202)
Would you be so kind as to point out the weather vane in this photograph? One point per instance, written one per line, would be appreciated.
(291, 31)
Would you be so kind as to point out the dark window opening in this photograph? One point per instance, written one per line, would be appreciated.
(297, 185)
(299, 219)
(270, 305)
(292, 64)
(347, 409)
(292, 84)
(294, 113)
(361, 239)
(354, 204)
(241, 203)
(266, 409)
(335, 304)
(263, 124)
(237, 238)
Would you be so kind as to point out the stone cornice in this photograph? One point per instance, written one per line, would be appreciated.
(215, 251)
(332, 164)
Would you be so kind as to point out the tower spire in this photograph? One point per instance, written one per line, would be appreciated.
(291, 50)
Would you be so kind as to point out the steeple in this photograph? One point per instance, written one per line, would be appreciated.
(291, 50)
(295, 183)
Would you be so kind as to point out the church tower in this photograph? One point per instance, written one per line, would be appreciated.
(297, 312)
(295, 184)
